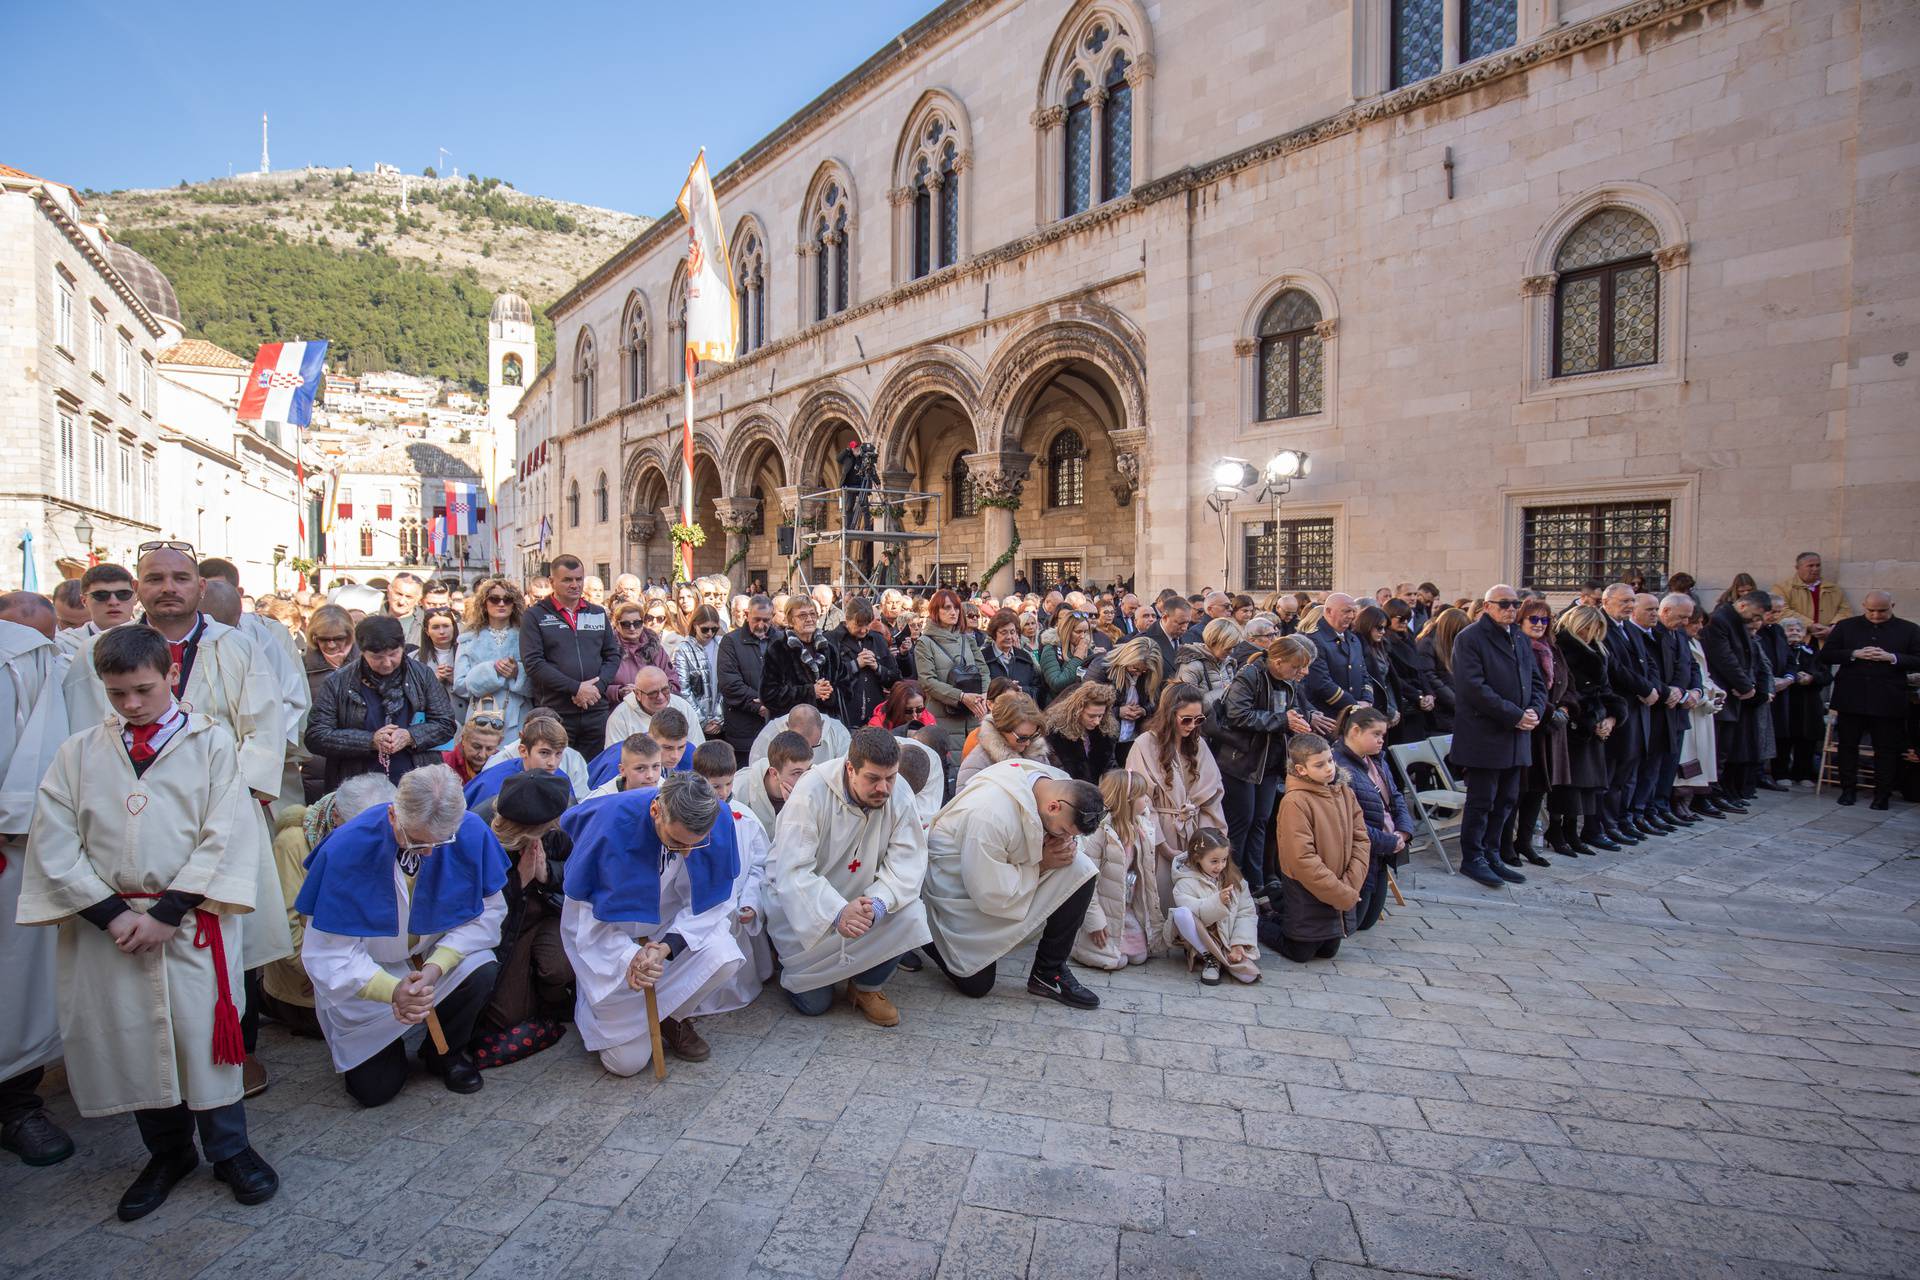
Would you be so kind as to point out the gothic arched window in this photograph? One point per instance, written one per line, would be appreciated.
(750, 284)
(512, 373)
(573, 504)
(1066, 470)
(1292, 363)
(677, 327)
(961, 492)
(929, 176)
(830, 242)
(633, 351)
(601, 504)
(1606, 306)
(1093, 95)
(584, 378)
(1079, 146)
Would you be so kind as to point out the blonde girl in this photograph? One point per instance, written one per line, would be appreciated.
(1126, 921)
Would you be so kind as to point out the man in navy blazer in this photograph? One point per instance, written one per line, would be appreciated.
(1499, 699)
(1338, 677)
(1665, 622)
(1635, 676)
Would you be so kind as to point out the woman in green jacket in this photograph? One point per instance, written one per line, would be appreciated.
(952, 669)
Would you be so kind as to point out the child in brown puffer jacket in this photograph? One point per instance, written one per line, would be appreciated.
(1322, 837)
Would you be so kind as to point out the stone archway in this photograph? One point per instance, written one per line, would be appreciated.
(926, 418)
(755, 471)
(648, 550)
(708, 493)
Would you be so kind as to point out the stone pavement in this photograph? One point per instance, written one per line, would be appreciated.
(1635, 1066)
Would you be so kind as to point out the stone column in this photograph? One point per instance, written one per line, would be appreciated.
(998, 477)
(737, 516)
(1052, 189)
(643, 529)
(1096, 157)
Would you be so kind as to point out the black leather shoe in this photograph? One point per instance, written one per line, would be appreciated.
(462, 1075)
(1705, 808)
(1064, 987)
(1847, 797)
(36, 1139)
(1558, 843)
(149, 1190)
(1646, 828)
(252, 1179)
(1730, 805)
(1678, 817)
(1507, 873)
(1509, 858)
(1881, 803)
(1534, 859)
(1624, 836)
(1768, 784)
(1599, 839)
(1579, 847)
(1480, 874)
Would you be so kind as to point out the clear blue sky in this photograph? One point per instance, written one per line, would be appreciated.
(602, 103)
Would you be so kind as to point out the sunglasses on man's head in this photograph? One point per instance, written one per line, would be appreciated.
(166, 544)
(100, 595)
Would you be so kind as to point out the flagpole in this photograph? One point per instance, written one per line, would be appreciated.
(686, 471)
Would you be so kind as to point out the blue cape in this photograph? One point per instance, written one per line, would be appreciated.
(615, 863)
(601, 768)
(349, 885)
(487, 783)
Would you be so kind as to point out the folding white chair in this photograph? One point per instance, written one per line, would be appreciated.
(1446, 800)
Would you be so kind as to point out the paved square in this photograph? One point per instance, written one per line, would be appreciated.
(1700, 1060)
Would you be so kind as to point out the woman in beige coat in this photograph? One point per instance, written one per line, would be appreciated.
(1173, 756)
(1126, 921)
(1013, 730)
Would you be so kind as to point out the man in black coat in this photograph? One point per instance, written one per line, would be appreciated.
(1338, 677)
(1175, 614)
(865, 654)
(1728, 643)
(1636, 680)
(571, 655)
(1872, 655)
(1499, 699)
(1680, 678)
(1665, 668)
(741, 664)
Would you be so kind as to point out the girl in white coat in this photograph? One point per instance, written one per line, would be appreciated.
(1126, 921)
(1213, 911)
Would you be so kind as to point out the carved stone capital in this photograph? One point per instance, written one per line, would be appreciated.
(935, 181)
(1050, 117)
(737, 513)
(1097, 95)
(963, 161)
(1538, 286)
(999, 475)
(1324, 330)
(643, 528)
(1143, 69)
(1126, 465)
(1246, 346)
(900, 195)
(1667, 257)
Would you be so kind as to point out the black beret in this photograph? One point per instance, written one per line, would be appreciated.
(533, 797)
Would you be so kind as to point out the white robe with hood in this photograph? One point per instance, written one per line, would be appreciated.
(230, 684)
(742, 987)
(33, 724)
(138, 1029)
(826, 852)
(986, 893)
(630, 718)
(834, 738)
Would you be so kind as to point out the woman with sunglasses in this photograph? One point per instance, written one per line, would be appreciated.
(1172, 754)
(639, 649)
(696, 666)
(669, 625)
(1551, 768)
(329, 647)
(487, 670)
(1013, 730)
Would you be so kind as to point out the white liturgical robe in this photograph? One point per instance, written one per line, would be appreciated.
(33, 724)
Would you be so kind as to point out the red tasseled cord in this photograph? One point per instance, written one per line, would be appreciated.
(229, 1048)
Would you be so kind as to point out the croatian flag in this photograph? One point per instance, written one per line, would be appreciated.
(437, 537)
(463, 507)
(282, 384)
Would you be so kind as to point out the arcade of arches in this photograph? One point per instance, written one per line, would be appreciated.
(1059, 438)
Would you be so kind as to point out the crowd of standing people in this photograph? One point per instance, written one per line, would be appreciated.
(489, 813)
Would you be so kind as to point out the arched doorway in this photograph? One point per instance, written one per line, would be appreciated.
(648, 548)
(710, 556)
(755, 469)
(926, 418)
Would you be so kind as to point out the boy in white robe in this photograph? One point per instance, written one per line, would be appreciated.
(134, 832)
(843, 880)
(33, 724)
(639, 767)
(1004, 863)
(650, 903)
(404, 906)
(714, 760)
(763, 786)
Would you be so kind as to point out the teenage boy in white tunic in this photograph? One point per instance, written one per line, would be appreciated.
(133, 855)
(715, 761)
(650, 901)
(843, 880)
(405, 904)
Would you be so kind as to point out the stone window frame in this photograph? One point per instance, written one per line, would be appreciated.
(750, 253)
(676, 353)
(1129, 33)
(1680, 492)
(1373, 41)
(586, 377)
(1048, 465)
(942, 105)
(1246, 351)
(573, 503)
(602, 500)
(65, 310)
(1538, 290)
(831, 173)
(1288, 509)
(636, 377)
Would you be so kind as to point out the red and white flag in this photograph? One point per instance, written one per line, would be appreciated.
(713, 311)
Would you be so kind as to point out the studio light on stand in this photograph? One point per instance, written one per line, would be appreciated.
(1235, 478)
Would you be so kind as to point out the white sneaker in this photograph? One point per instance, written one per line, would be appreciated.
(1210, 972)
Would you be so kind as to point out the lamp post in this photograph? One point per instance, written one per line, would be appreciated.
(83, 530)
(1234, 478)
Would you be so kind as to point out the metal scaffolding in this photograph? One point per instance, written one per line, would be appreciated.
(869, 558)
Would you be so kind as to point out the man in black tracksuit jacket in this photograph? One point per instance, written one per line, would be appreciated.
(571, 654)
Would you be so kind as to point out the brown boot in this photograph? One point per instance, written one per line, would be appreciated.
(682, 1041)
(253, 1077)
(875, 1005)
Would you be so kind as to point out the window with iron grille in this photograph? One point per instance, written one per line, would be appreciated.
(1079, 144)
(1292, 555)
(366, 542)
(1116, 132)
(1292, 358)
(951, 575)
(1561, 547)
(1066, 470)
(962, 494)
(1418, 27)
(1048, 574)
(1606, 310)
(1488, 26)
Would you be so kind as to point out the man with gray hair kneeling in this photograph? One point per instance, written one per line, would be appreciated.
(650, 901)
(420, 868)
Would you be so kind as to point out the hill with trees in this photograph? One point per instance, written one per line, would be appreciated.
(332, 254)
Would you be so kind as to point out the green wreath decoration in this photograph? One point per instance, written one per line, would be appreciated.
(684, 535)
(1010, 506)
(742, 532)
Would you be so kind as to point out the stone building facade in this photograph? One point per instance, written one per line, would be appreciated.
(1547, 289)
(383, 508)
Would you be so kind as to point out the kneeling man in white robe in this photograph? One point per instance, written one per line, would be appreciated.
(1004, 863)
(843, 879)
(650, 903)
(405, 904)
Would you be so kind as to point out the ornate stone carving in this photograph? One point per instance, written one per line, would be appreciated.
(1667, 257)
(1142, 70)
(1000, 475)
(899, 195)
(1538, 286)
(1097, 95)
(1324, 330)
(1246, 346)
(1050, 117)
(963, 162)
(643, 528)
(1126, 464)
(737, 514)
